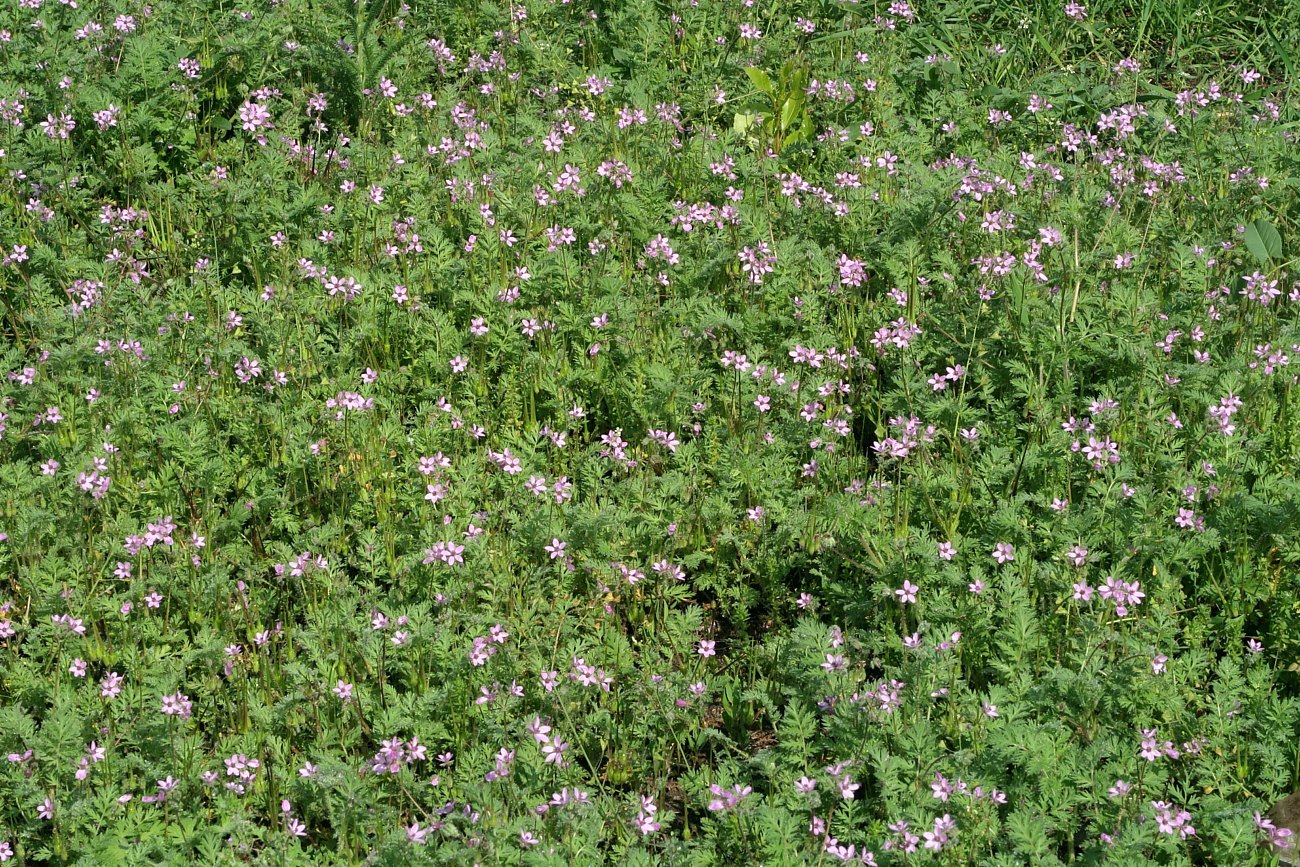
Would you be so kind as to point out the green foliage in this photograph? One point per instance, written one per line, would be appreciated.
(647, 432)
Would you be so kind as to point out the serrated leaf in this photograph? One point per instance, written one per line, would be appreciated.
(1028, 833)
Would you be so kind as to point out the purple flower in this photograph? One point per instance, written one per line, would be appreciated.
(726, 799)
(178, 704)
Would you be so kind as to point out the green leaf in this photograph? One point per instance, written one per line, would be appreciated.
(1264, 241)
(791, 110)
(1028, 833)
(761, 80)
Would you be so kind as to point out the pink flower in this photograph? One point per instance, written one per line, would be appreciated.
(111, 685)
(725, 799)
(1003, 552)
(1122, 594)
(906, 593)
(936, 839)
(848, 788)
(252, 116)
(178, 704)
(554, 752)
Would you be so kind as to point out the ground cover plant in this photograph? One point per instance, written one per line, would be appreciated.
(683, 432)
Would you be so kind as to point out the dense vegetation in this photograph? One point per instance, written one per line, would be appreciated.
(661, 431)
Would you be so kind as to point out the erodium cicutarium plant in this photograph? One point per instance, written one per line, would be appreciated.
(684, 432)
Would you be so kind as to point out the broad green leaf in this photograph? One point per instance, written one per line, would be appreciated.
(761, 80)
(1264, 241)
